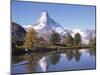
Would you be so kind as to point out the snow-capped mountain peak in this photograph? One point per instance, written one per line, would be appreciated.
(43, 17)
(46, 21)
(45, 26)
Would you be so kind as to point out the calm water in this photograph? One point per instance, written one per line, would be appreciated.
(54, 61)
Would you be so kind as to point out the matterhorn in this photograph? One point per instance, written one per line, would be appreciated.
(46, 25)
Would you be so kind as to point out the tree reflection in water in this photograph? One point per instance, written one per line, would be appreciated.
(17, 59)
(54, 59)
(70, 54)
(31, 63)
(77, 55)
(92, 52)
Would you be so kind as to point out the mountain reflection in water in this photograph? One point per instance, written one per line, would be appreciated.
(54, 61)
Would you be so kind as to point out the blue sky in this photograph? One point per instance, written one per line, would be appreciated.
(67, 15)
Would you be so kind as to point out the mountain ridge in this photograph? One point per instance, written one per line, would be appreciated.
(46, 25)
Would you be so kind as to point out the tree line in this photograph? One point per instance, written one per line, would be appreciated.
(31, 39)
(69, 40)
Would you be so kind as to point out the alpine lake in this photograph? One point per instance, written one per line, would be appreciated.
(54, 61)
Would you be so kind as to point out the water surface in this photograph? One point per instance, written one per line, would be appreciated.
(54, 61)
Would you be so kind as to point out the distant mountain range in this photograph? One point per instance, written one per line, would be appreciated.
(46, 25)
